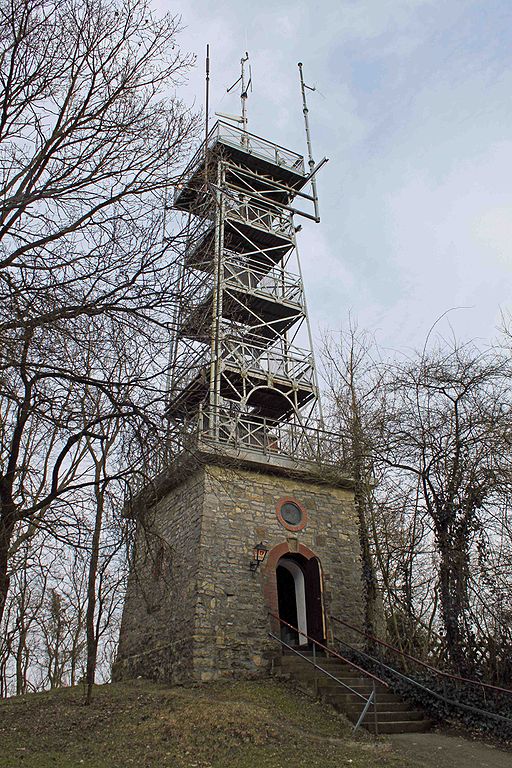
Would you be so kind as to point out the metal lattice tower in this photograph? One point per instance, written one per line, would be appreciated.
(243, 367)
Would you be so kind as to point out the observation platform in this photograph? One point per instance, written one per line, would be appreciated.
(270, 402)
(261, 246)
(240, 149)
(287, 449)
(275, 402)
(253, 307)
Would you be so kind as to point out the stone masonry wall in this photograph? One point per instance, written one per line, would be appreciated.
(239, 511)
(159, 614)
(197, 612)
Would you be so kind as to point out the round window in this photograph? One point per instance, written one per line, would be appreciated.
(291, 514)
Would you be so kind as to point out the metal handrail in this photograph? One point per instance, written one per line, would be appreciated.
(435, 670)
(411, 680)
(369, 701)
(330, 651)
(271, 285)
(252, 357)
(259, 146)
(244, 432)
(317, 666)
(274, 282)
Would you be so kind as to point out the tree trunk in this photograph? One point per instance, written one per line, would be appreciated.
(90, 630)
(453, 598)
(21, 664)
(368, 568)
(6, 531)
(361, 502)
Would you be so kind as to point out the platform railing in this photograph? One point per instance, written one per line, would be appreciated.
(226, 430)
(256, 145)
(230, 135)
(268, 219)
(292, 440)
(296, 365)
(275, 283)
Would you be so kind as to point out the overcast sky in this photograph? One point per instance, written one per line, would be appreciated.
(414, 110)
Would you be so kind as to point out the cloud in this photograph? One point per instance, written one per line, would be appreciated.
(413, 109)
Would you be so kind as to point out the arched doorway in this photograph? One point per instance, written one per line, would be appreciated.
(299, 597)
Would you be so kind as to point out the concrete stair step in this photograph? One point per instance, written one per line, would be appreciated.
(330, 666)
(345, 686)
(400, 726)
(358, 683)
(389, 717)
(292, 660)
(362, 682)
(389, 720)
(344, 699)
(341, 674)
(308, 669)
(357, 686)
(385, 706)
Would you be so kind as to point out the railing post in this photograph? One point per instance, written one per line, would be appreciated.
(375, 714)
(315, 683)
(200, 424)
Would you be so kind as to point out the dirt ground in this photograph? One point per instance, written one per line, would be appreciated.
(438, 750)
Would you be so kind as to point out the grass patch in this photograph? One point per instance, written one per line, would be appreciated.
(257, 724)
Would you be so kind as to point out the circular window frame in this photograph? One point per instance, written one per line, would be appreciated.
(291, 500)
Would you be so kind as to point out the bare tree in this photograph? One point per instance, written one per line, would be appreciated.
(101, 553)
(431, 461)
(354, 379)
(448, 430)
(91, 141)
(30, 596)
(56, 626)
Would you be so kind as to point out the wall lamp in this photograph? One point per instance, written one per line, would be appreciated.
(259, 553)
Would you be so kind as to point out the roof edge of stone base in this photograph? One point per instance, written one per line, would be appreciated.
(188, 463)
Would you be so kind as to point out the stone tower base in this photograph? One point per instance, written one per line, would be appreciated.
(194, 610)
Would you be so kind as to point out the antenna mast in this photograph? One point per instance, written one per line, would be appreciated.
(207, 95)
(244, 93)
(206, 109)
(244, 88)
(311, 162)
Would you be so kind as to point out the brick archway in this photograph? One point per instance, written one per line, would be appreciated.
(270, 579)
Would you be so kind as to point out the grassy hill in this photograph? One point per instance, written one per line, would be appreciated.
(260, 724)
